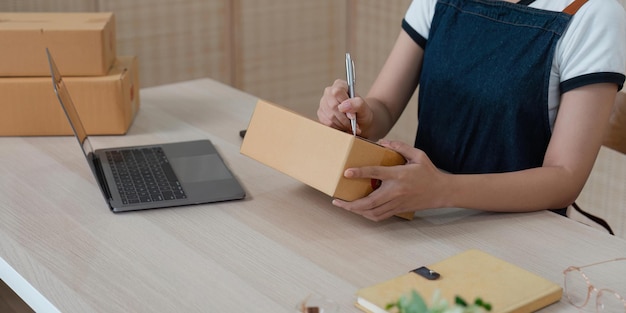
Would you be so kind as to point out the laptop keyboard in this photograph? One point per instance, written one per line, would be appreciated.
(144, 175)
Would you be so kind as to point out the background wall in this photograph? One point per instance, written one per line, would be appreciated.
(284, 51)
(373, 29)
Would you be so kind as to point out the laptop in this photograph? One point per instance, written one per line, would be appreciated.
(152, 176)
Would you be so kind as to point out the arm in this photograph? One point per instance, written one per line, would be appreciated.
(574, 145)
(387, 98)
(394, 85)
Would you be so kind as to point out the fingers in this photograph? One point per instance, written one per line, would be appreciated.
(411, 154)
(328, 112)
(374, 172)
(368, 208)
(400, 188)
(379, 204)
(336, 108)
(333, 118)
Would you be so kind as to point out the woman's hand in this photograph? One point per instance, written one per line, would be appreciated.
(414, 186)
(336, 109)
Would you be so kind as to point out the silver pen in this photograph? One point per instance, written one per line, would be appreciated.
(351, 79)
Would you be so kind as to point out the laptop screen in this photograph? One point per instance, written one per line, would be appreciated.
(68, 106)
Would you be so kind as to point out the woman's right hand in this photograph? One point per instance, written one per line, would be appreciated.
(336, 108)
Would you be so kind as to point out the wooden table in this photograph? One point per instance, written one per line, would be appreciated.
(61, 248)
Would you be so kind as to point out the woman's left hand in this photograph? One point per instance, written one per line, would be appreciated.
(414, 186)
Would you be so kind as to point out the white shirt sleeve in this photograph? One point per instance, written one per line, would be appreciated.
(420, 15)
(595, 41)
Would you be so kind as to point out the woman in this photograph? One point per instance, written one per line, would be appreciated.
(513, 102)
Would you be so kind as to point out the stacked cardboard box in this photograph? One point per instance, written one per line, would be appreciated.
(103, 86)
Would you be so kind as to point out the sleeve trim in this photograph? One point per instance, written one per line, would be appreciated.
(421, 41)
(593, 78)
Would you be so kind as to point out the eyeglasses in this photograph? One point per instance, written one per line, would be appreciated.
(578, 290)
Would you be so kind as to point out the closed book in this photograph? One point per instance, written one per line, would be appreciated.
(469, 275)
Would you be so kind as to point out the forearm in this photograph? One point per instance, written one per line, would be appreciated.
(394, 86)
(383, 120)
(572, 151)
(522, 191)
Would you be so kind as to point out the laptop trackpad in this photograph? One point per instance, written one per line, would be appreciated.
(199, 168)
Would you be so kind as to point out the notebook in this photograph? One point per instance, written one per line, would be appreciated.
(152, 176)
(471, 274)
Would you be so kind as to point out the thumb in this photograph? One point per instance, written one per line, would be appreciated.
(411, 154)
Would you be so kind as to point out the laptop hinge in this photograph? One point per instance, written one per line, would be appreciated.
(96, 167)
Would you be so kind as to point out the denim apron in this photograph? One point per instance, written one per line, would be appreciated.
(483, 96)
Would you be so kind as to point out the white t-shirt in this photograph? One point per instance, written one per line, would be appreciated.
(592, 50)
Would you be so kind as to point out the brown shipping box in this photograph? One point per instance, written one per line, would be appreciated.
(82, 44)
(313, 153)
(106, 104)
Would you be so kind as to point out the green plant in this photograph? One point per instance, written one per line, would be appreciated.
(414, 303)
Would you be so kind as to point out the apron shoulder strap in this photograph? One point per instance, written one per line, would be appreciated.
(574, 6)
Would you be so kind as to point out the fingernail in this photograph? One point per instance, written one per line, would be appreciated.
(344, 105)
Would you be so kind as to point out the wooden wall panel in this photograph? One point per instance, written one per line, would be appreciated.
(615, 136)
(374, 28)
(287, 51)
(48, 6)
(375, 25)
(175, 40)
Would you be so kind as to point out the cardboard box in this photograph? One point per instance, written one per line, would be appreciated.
(313, 153)
(106, 104)
(83, 44)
